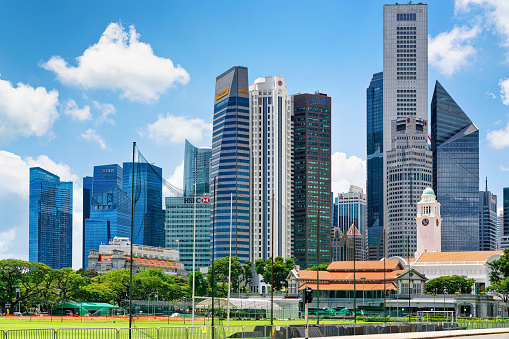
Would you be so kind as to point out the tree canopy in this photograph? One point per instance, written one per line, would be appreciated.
(499, 276)
(282, 268)
(450, 284)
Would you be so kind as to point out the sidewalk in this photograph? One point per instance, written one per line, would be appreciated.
(425, 335)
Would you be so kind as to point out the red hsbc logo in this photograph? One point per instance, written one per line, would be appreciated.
(196, 200)
(205, 200)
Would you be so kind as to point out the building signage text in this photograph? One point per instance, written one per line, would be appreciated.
(223, 93)
(316, 101)
(198, 200)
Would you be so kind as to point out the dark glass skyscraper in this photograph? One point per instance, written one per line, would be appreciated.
(455, 147)
(106, 208)
(148, 192)
(312, 168)
(50, 219)
(230, 163)
(196, 169)
(375, 166)
(487, 220)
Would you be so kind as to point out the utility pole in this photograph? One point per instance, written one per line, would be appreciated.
(272, 265)
(409, 290)
(213, 250)
(354, 283)
(131, 254)
(317, 274)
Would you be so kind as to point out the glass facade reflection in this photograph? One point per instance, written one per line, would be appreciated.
(50, 219)
(375, 167)
(487, 220)
(148, 221)
(455, 146)
(196, 169)
(230, 163)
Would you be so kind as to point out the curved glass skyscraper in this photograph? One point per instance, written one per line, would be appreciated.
(455, 147)
(196, 169)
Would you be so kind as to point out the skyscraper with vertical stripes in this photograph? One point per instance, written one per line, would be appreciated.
(230, 165)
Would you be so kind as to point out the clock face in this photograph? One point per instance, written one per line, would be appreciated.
(438, 223)
(425, 222)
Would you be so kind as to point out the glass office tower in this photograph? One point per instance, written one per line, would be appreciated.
(505, 211)
(50, 219)
(230, 164)
(312, 178)
(196, 169)
(375, 167)
(455, 146)
(488, 237)
(148, 221)
(179, 229)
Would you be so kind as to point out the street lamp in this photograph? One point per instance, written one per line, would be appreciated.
(363, 279)
(17, 297)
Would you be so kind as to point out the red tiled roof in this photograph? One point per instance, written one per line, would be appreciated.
(350, 286)
(372, 265)
(332, 276)
(456, 256)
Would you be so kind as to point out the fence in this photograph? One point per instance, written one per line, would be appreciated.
(250, 331)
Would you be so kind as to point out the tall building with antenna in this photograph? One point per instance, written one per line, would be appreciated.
(488, 237)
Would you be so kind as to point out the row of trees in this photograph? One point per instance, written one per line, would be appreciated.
(42, 285)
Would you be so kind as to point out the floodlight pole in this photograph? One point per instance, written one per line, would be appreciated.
(213, 250)
(194, 249)
(131, 248)
(354, 282)
(230, 262)
(385, 281)
(272, 265)
(317, 273)
(409, 290)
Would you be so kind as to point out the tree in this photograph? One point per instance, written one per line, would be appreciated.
(321, 267)
(499, 276)
(450, 284)
(201, 284)
(221, 268)
(282, 268)
(247, 274)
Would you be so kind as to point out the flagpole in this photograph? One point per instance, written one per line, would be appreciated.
(230, 261)
(194, 249)
(131, 254)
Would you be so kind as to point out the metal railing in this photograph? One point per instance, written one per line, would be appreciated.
(248, 331)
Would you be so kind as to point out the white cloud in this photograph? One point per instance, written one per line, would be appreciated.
(504, 169)
(7, 238)
(175, 129)
(26, 111)
(176, 179)
(449, 51)
(106, 110)
(499, 138)
(14, 195)
(347, 171)
(119, 61)
(91, 135)
(81, 114)
(490, 94)
(504, 91)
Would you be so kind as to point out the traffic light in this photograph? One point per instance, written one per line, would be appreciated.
(308, 297)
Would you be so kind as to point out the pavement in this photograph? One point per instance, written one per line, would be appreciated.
(426, 335)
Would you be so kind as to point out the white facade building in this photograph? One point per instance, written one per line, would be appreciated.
(124, 245)
(429, 223)
(405, 94)
(272, 168)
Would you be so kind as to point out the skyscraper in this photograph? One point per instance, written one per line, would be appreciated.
(107, 208)
(409, 172)
(272, 168)
(148, 221)
(50, 219)
(230, 164)
(505, 211)
(375, 167)
(312, 178)
(455, 146)
(405, 95)
(487, 220)
(196, 169)
(350, 208)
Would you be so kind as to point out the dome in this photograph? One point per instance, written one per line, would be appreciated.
(428, 191)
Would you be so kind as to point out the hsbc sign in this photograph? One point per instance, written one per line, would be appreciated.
(108, 170)
(197, 200)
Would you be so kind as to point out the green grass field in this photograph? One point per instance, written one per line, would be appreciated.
(10, 323)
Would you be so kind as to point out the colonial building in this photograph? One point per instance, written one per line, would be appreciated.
(116, 256)
(366, 280)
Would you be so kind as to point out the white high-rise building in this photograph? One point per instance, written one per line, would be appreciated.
(271, 139)
(405, 94)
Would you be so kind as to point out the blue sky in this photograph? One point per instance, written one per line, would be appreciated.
(80, 81)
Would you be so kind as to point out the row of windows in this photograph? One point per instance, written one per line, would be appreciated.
(406, 17)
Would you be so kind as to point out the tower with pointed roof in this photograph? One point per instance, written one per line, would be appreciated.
(455, 147)
(429, 223)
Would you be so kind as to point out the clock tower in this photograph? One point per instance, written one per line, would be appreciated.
(429, 223)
